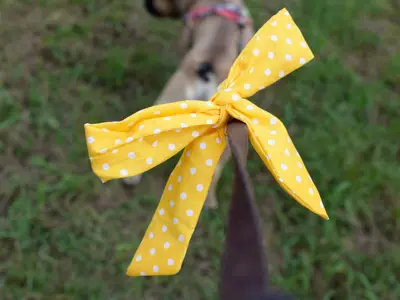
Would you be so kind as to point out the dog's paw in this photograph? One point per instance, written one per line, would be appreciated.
(134, 180)
(211, 202)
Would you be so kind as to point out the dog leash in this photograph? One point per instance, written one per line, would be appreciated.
(244, 269)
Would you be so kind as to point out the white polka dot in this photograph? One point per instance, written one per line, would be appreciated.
(289, 41)
(177, 130)
(321, 204)
(157, 131)
(227, 90)
(166, 245)
(164, 228)
(171, 147)
(129, 139)
(288, 26)
(105, 130)
(155, 143)
(288, 57)
(141, 127)
(90, 140)
(183, 196)
(267, 72)
(257, 38)
(303, 44)
(171, 203)
(286, 13)
(199, 187)
(184, 125)
(175, 221)
(155, 269)
(192, 171)
(183, 105)
(123, 172)
(235, 97)
(157, 112)
(284, 167)
(209, 162)
(149, 160)
(195, 134)
(251, 70)
(114, 151)
(179, 179)
(151, 235)
(203, 146)
(102, 151)
(280, 179)
(209, 122)
(179, 163)
(161, 212)
(181, 238)
(302, 61)
(167, 118)
(138, 258)
(311, 191)
(271, 142)
(152, 251)
(193, 115)
(249, 107)
(299, 164)
(106, 167)
(298, 178)
(247, 86)
(142, 274)
(281, 74)
(189, 213)
(255, 121)
(287, 152)
(273, 132)
(274, 23)
(170, 187)
(274, 38)
(218, 140)
(256, 52)
(271, 55)
(118, 141)
(170, 262)
(188, 153)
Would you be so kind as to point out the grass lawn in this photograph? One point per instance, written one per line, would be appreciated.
(64, 235)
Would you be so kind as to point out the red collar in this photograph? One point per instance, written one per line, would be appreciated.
(229, 11)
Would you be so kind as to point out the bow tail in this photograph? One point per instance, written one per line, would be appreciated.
(166, 240)
(271, 140)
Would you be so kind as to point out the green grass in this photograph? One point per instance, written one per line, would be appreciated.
(64, 235)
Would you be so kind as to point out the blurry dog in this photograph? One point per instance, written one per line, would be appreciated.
(214, 34)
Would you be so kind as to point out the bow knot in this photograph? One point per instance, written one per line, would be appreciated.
(149, 137)
(225, 97)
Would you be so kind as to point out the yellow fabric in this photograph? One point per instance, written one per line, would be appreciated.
(151, 136)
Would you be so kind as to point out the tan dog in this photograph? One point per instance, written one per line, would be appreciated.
(211, 45)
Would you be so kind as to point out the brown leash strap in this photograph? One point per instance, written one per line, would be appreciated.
(244, 270)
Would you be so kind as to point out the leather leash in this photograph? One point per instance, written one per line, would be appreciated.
(244, 270)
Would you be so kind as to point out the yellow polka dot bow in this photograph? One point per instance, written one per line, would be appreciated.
(151, 136)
